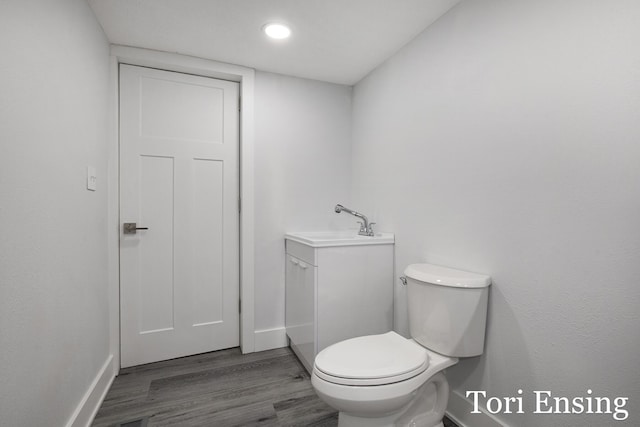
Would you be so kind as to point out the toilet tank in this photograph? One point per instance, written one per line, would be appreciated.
(447, 309)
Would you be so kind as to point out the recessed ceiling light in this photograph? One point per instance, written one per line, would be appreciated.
(277, 31)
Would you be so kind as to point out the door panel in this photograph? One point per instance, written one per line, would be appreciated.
(208, 221)
(179, 178)
(190, 121)
(155, 271)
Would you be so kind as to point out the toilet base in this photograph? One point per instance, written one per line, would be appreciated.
(426, 409)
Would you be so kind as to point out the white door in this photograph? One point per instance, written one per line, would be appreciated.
(179, 179)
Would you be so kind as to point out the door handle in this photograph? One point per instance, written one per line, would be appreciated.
(130, 228)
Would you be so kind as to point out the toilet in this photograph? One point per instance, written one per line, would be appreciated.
(388, 380)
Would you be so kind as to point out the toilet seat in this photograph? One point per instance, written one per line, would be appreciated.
(371, 360)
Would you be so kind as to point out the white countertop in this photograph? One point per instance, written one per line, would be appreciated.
(320, 239)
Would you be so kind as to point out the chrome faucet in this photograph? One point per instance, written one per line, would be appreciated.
(366, 228)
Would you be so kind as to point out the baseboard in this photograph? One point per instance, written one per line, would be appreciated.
(88, 407)
(268, 339)
(459, 410)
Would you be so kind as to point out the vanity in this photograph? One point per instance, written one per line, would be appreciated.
(339, 285)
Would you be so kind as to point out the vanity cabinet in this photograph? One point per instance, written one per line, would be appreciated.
(336, 288)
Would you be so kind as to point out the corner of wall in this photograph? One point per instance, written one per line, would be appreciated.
(88, 407)
(269, 339)
(459, 410)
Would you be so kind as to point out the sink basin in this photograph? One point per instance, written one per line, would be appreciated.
(320, 239)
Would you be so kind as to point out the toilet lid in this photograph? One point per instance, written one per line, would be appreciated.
(372, 360)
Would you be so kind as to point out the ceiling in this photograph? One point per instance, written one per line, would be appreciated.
(338, 41)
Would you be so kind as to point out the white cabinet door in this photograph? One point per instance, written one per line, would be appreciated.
(300, 315)
(349, 293)
(178, 177)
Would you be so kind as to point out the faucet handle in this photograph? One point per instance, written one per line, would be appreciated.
(371, 232)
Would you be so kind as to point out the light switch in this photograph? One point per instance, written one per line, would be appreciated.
(92, 179)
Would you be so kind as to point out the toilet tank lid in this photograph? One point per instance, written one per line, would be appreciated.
(445, 276)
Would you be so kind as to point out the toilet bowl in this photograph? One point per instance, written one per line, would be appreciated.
(387, 380)
(377, 380)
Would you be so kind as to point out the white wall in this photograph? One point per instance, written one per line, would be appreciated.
(505, 139)
(302, 169)
(53, 252)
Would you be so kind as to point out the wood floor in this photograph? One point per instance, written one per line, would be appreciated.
(221, 389)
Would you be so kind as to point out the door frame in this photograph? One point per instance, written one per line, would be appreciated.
(207, 68)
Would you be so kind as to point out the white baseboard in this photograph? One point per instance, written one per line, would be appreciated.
(268, 339)
(88, 407)
(459, 410)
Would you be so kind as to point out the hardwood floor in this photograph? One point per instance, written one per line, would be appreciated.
(222, 389)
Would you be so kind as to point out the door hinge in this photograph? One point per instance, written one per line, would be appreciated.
(239, 205)
(239, 103)
(239, 306)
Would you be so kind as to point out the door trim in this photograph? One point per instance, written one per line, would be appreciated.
(203, 67)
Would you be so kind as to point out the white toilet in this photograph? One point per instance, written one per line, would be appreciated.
(388, 380)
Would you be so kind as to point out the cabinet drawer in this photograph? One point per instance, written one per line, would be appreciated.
(302, 252)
